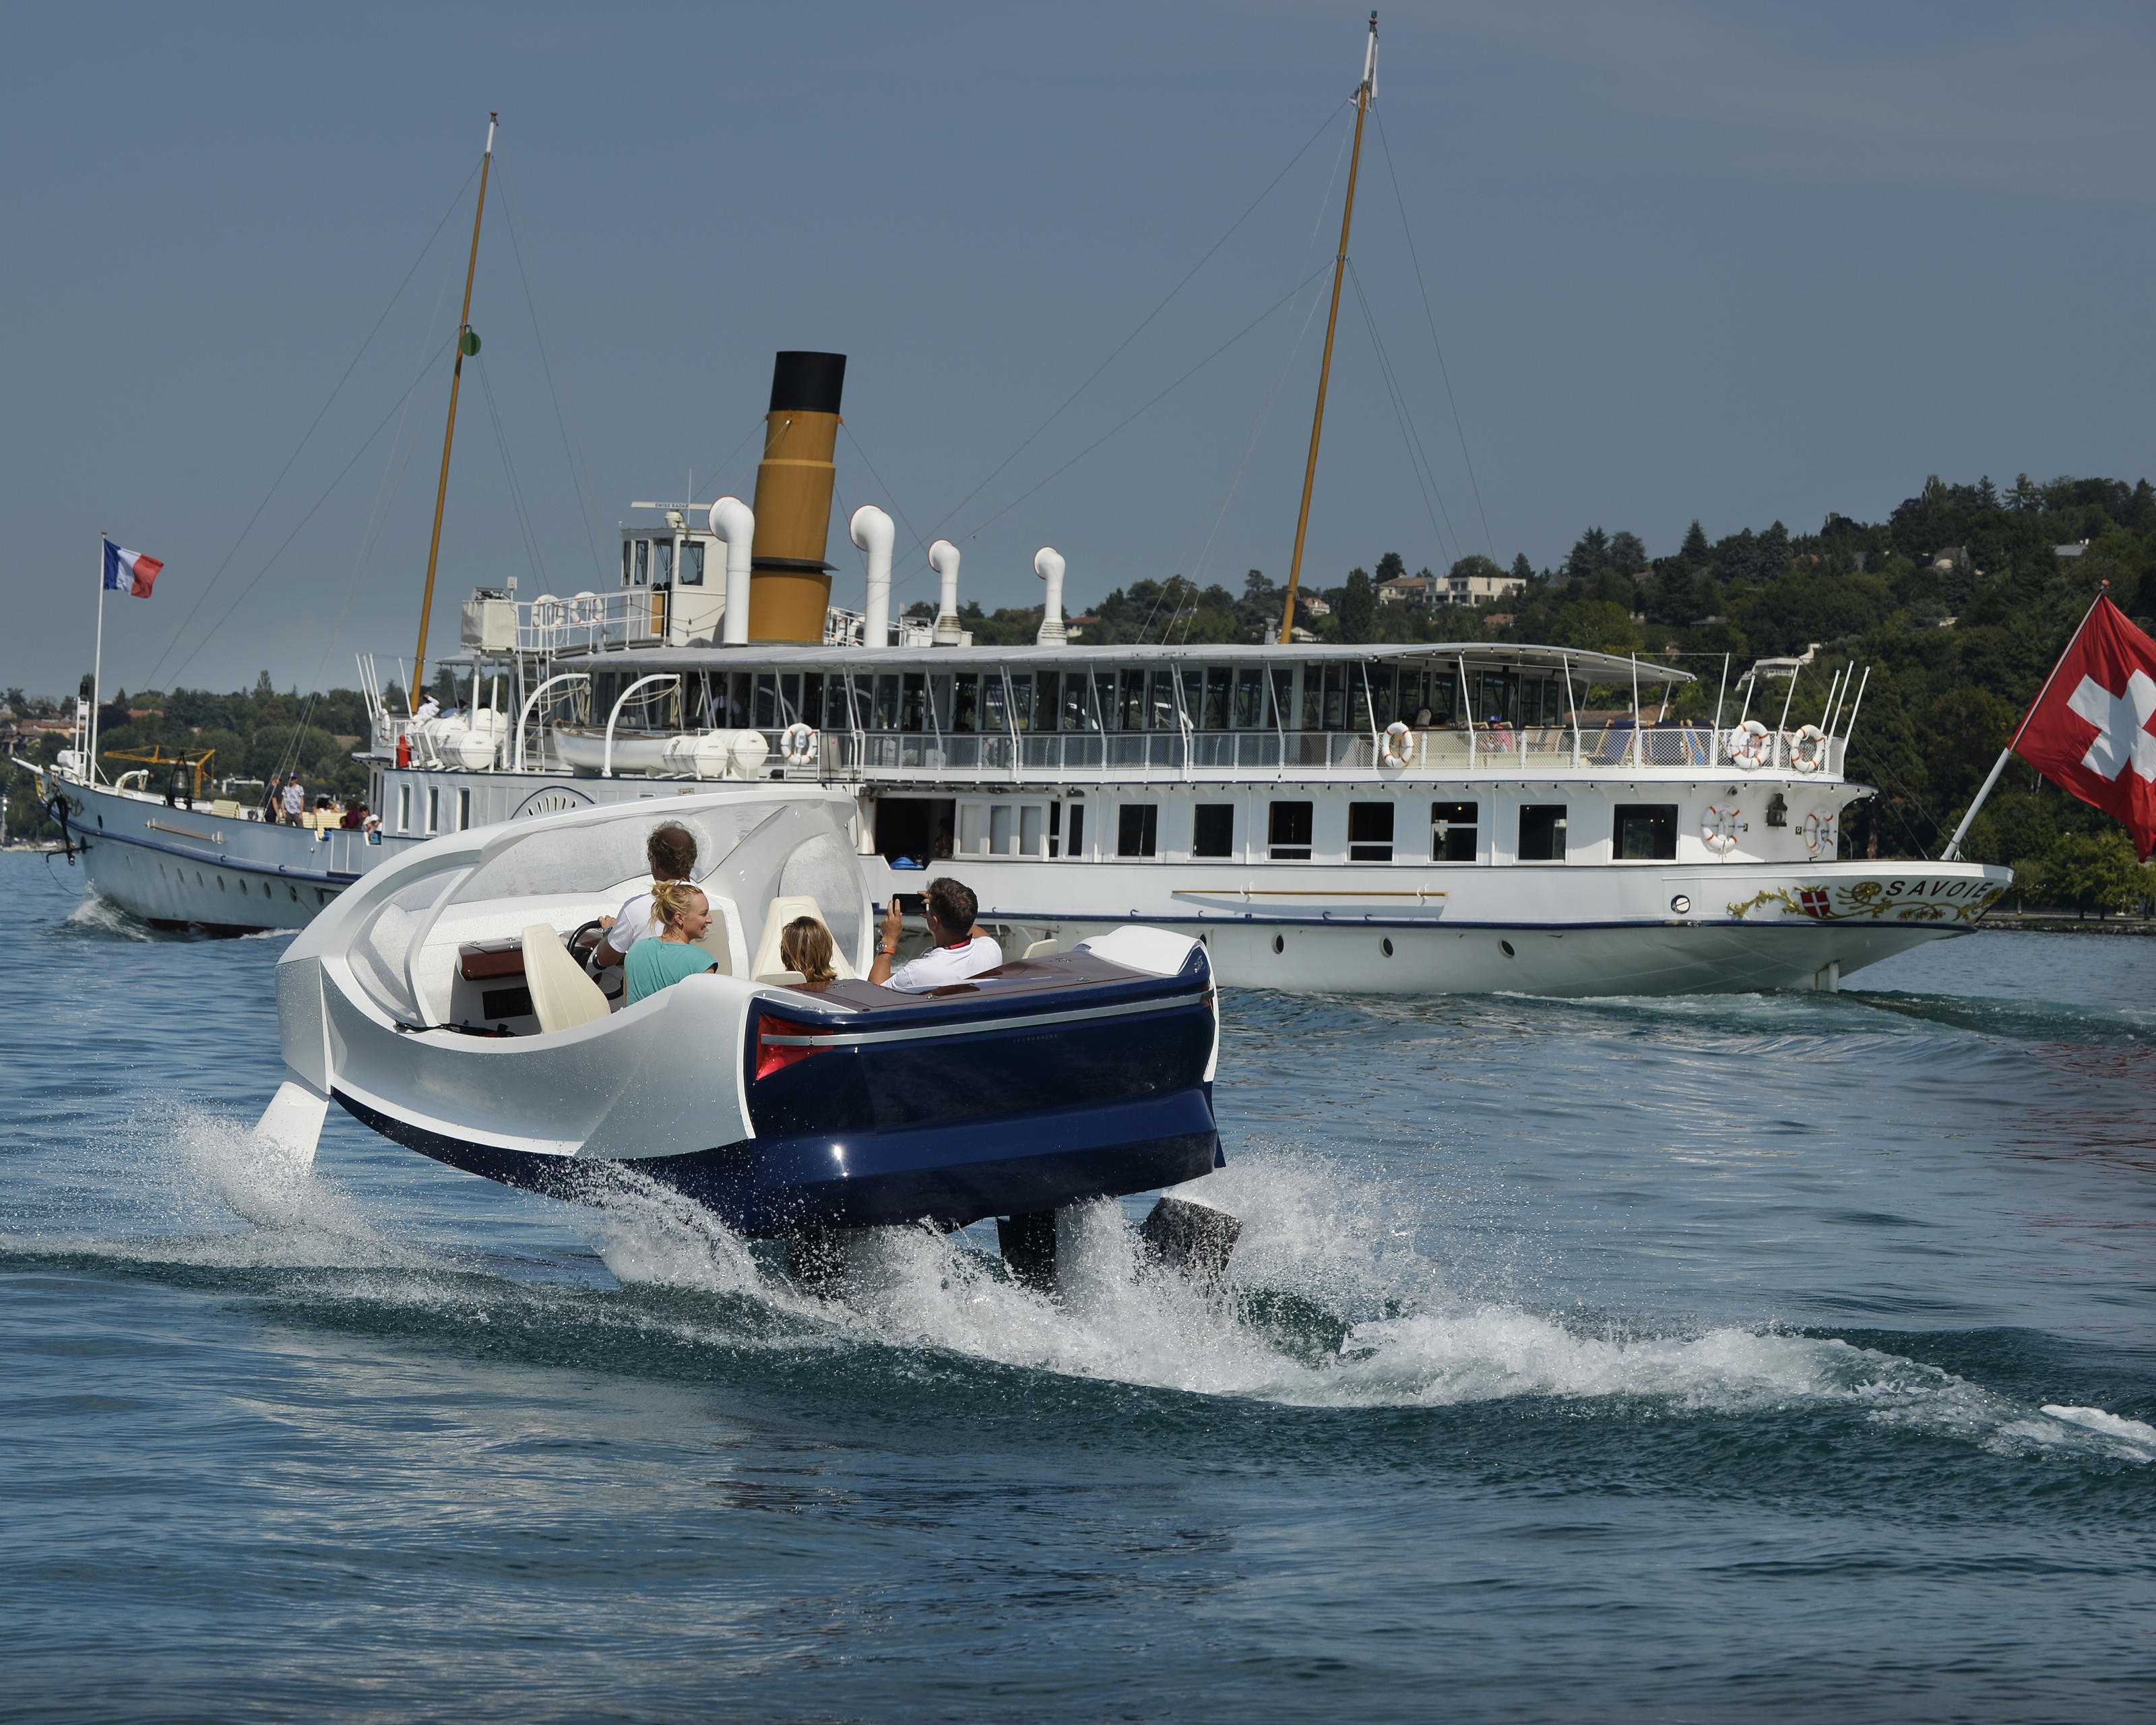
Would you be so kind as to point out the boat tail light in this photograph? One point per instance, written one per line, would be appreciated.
(780, 1042)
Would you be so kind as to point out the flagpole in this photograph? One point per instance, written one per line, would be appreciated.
(1953, 844)
(97, 665)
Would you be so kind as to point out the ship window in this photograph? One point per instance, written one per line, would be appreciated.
(1218, 679)
(1645, 832)
(1283, 706)
(965, 701)
(1452, 832)
(1213, 830)
(1129, 710)
(662, 563)
(999, 829)
(464, 810)
(626, 546)
(1056, 829)
(1369, 832)
(812, 699)
(913, 702)
(1162, 717)
(1137, 825)
(403, 808)
(433, 808)
(1287, 832)
(1194, 696)
(1032, 823)
(1076, 844)
(993, 716)
(1249, 697)
(643, 567)
(969, 829)
(692, 564)
(1047, 700)
(887, 702)
(1542, 832)
(1104, 700)
(1336, 697)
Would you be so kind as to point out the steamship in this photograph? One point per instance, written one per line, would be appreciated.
(1390, 819)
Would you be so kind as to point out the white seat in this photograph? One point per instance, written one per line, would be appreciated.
(784, 911)
(1043, 949)
(782, 979)
(562, 996)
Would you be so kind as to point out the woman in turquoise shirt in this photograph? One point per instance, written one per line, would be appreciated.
(659, 962)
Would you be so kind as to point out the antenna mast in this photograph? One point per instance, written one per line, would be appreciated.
(467, 343)
(1364, 92)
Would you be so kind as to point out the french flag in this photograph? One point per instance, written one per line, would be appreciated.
(129, 571)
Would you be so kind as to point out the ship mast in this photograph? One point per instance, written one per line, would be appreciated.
(1363, 93)
(468, 343)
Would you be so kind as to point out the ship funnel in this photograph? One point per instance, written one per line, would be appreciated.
(943, 559)
(791, 587)
(1048, 565)
(734, 523)
(870, 529)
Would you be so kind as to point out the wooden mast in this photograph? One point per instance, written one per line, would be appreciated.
(466, 343)
(1362, 95)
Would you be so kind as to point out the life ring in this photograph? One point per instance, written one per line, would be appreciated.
(1807, 749)
(798, 745)
(1719, 826)
(1399, 745)
(1748, 745)
(1820, 831)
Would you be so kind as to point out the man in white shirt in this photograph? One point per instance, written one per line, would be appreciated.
(429, 708)
(671, 851)
(961, 951)
(296, 800)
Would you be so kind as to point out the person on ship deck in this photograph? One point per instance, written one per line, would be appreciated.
(684, 914)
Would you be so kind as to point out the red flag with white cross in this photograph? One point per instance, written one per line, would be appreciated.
(2089, 732)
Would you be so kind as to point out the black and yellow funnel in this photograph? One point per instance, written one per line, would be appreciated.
(789, 582)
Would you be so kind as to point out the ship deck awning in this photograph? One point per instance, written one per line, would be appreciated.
(1589, 667)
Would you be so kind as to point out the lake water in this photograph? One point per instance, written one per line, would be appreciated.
(1793, 1355)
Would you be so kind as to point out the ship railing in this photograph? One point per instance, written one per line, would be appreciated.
(584, 622)
(1144, 755)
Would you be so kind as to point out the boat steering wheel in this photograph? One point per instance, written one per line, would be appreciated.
(582, 954)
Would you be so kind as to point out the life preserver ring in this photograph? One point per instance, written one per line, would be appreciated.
(1820, 831)
(1719, 826)
(1748, 745)
(1807, 749)
(1399, 745)
(799, 744)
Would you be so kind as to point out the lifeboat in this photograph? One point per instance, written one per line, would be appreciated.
(442, 1001)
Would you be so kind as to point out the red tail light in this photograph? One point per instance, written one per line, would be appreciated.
(776, 1047)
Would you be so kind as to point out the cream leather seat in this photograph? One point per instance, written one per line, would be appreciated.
(1043, 949)
(562, 996)
(769, 966)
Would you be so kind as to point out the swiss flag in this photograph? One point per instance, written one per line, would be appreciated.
(2089, 730)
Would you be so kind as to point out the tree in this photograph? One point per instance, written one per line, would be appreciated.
(1359, 605)
(1523, 570)
(1694, 551)
(263, 688)
(1589, 554)
(2083, 872)
(1390, 568)
(1628, 553)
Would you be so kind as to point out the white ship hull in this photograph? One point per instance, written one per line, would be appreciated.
(181, 868)
(1582, 930)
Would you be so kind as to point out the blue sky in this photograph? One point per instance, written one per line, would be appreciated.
(1740, 263)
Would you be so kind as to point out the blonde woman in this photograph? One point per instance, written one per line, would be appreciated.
(683, 914)
(805, 946)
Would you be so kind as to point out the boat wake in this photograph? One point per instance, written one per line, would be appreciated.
(1329, 1305)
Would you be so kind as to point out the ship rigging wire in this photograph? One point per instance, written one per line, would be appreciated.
(1444, 371)
(456, 204)
(1418, 458)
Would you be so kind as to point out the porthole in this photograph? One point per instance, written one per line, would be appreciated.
(1387, 944)
(220, 883)
(1681, 904)
(1280, 943)
(1507, 946)
(295, 891)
